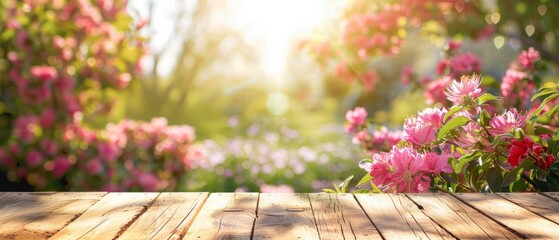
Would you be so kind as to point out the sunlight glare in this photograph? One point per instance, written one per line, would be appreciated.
(275, 25)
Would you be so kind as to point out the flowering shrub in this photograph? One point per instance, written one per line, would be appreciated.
(471, 147)
(62, 64)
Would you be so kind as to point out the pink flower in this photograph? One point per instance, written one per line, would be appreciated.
(380, 169)
(49, 146)
(406, 164)
(44, 73)
(123, 80)
(357, 116)
(24, 127)
(435, 90)
(23, 40)
(420, 130)
(47, 117)
(61, 166)
(148, 182)
(436, 163)
(466, 90)
(526, 59)
(421, 184)
(94, 166)
(464, 64)
(360, 137)
(108, 151)
(516, 89)
(369, 80)
(432, 116)
(33, 158)
(406, 75)
(506, 123)
(454, 45)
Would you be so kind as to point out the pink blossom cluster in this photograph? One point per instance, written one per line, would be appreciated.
(406, 170)
(374, 140)
(146, 150)
(412, 164)
(452, 66)
(518, 83)
(459, 64)
(420, 130)
(372, 33)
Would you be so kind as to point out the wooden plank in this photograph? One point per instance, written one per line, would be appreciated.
(397, 217)
(535, 203)
(285, 216)
(339, 216)
(40, 215)
(459, 219)
(225, 216)
(552, 195)
(529, 224)
(167, 218)
(108, 217)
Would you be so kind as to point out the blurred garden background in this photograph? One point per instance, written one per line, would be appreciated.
(237, 95)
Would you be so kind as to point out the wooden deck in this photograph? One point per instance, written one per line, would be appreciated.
(101, 215)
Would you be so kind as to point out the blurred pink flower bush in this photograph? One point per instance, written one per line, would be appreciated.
(65, 62)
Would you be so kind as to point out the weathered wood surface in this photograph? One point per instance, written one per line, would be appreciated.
(225, 216)
(339, 216)
(108, 217)
(167, 218)
(285, 216)
(515, 217)
(397, 217)
(49, 215)
(40, 215)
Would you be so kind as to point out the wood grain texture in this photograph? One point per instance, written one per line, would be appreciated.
(397, 217)
(167, 218)
(529, 224)
(225, 216)
(552, 195)
(535, 203)
(460, 219)
(108, 217)
(42, 214)
(339, 216)
(285, 216)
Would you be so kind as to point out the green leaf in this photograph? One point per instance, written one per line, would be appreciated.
(366, 179)
(553, 146)
(452, 111)
(465, 160)
(549, 85)
(345, 184)
(484, 118)
(542, 92)
(511, 176)
(451, 125)
(328, 190)
(362, 191)
(552, 111)
(485, 97)
(539, 130)
(494, 178)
